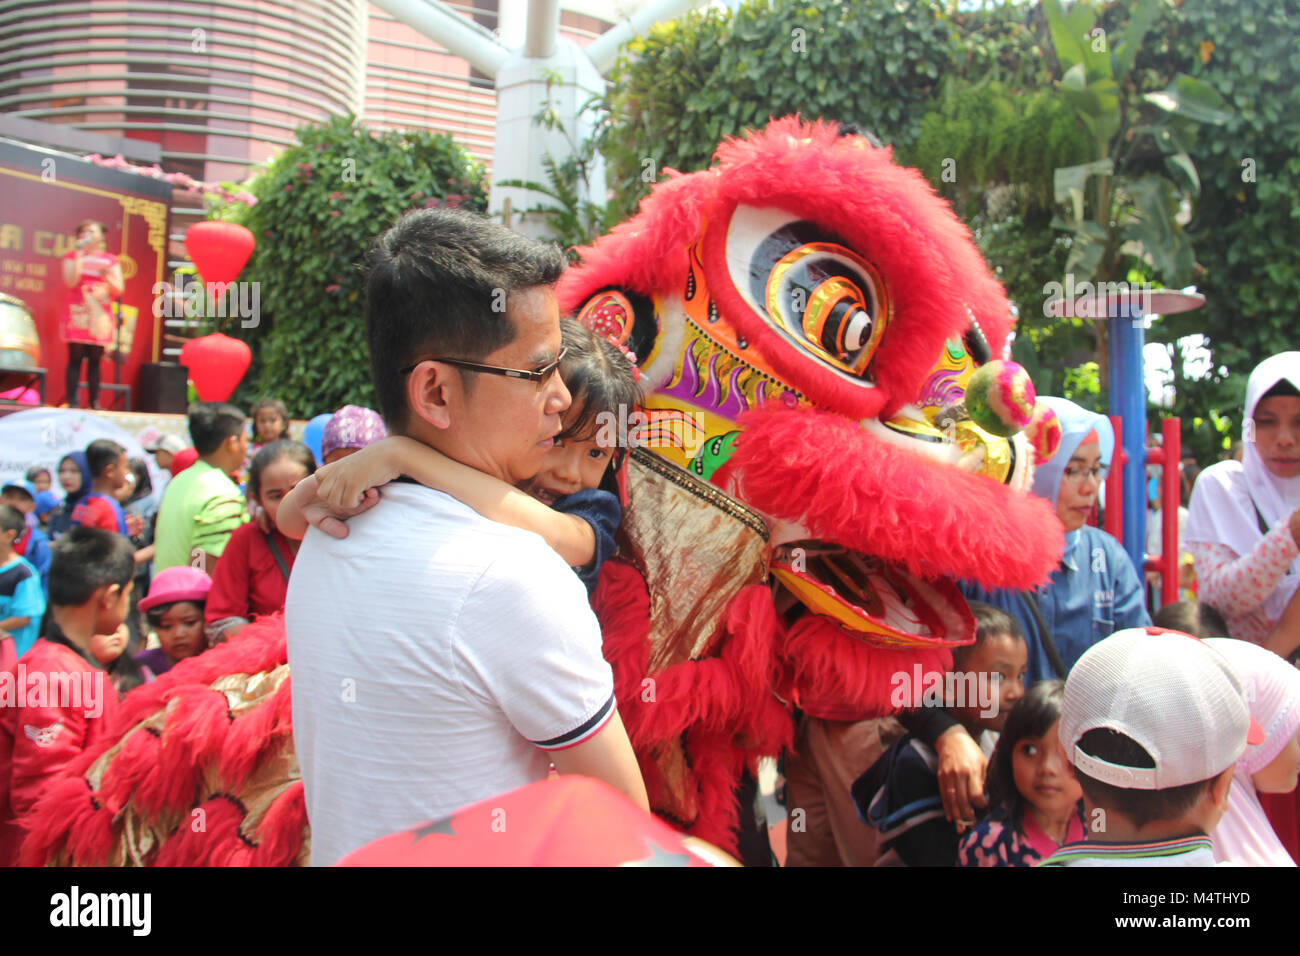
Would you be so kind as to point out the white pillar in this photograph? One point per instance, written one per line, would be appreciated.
(522, 144)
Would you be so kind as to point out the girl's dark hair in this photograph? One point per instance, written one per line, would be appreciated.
(295, 451)
(600, 378)
(1032, 716)
(276, 406)
(125, 672)
(143, 483)
(155, 614)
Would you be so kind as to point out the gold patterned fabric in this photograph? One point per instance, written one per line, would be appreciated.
(696, 547)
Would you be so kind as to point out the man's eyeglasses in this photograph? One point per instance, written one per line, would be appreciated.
(541, 376)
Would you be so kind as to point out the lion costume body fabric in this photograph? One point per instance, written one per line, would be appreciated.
(805, 316)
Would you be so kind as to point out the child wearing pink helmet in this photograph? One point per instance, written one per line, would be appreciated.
(174, 609)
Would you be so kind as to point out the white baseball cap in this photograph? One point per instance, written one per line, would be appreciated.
(1172, 694)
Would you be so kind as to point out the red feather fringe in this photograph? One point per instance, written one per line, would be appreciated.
(838, 677)
(847, 487)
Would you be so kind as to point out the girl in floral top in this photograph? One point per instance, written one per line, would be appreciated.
(1036, 801)
(1244, 524)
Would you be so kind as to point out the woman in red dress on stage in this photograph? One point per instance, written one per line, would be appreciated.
(94, 278)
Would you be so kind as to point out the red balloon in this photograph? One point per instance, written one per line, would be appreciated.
(219, 250)
(217, 363)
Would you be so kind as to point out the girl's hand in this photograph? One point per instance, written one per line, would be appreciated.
(1295, 525)
(321, 514)
(345, 483)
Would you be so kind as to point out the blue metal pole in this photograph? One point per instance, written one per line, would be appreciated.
(1129, 401)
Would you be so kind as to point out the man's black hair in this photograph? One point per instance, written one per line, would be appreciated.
(11, 519)
(211, 423)
(1140, 806)
(101, 453)
(437, 286)
(86, 559)
(1032, 716)
(990, 621)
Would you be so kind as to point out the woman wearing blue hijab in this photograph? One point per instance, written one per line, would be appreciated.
(69, 466)
(1095, 590)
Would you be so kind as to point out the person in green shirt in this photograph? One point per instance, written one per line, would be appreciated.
(202, 507)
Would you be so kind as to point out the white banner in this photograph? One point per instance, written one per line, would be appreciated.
(41, 436)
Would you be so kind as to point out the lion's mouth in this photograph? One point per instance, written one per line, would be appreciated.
(878, 601)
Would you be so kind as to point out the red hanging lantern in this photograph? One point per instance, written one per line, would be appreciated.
(219, 250)
(216, 363)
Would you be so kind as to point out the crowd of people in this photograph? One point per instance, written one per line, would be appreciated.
(436, 563)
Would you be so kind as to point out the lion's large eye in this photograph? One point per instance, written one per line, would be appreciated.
(815, 291)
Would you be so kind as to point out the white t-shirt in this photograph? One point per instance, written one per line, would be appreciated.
(436, 658)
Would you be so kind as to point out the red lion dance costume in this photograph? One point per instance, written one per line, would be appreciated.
(805, 315)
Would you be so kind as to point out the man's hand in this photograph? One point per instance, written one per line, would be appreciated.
(134, 525)
(320, 514)
(962, 766)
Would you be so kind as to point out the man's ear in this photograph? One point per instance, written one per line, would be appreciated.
(433, 390)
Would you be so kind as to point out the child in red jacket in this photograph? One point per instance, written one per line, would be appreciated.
(252, 577)
(59, 698)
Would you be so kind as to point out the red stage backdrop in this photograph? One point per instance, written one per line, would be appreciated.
(43, 195)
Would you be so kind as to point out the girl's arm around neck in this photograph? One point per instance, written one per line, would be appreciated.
(342, 483)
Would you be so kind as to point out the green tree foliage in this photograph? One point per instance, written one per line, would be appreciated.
(690, 83)
(320, 204)
(1245, 225)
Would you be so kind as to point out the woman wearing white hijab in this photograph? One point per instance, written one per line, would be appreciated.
(1244, 524)
(1244, 835)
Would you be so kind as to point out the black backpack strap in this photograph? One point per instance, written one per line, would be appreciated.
(275, 553)
(1049, 645)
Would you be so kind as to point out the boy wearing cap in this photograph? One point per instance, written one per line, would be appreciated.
(1153, 722)
(33, 544)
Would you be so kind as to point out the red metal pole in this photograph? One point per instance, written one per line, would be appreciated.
(1114, 525)
(1170, 500)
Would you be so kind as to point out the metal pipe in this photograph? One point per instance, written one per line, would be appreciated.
(1170, 500)
(1114, 524)
(439, 23)
(543, 28)
(603, 52)
(1128, 402)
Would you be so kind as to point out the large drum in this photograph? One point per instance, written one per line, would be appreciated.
(20, 346)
